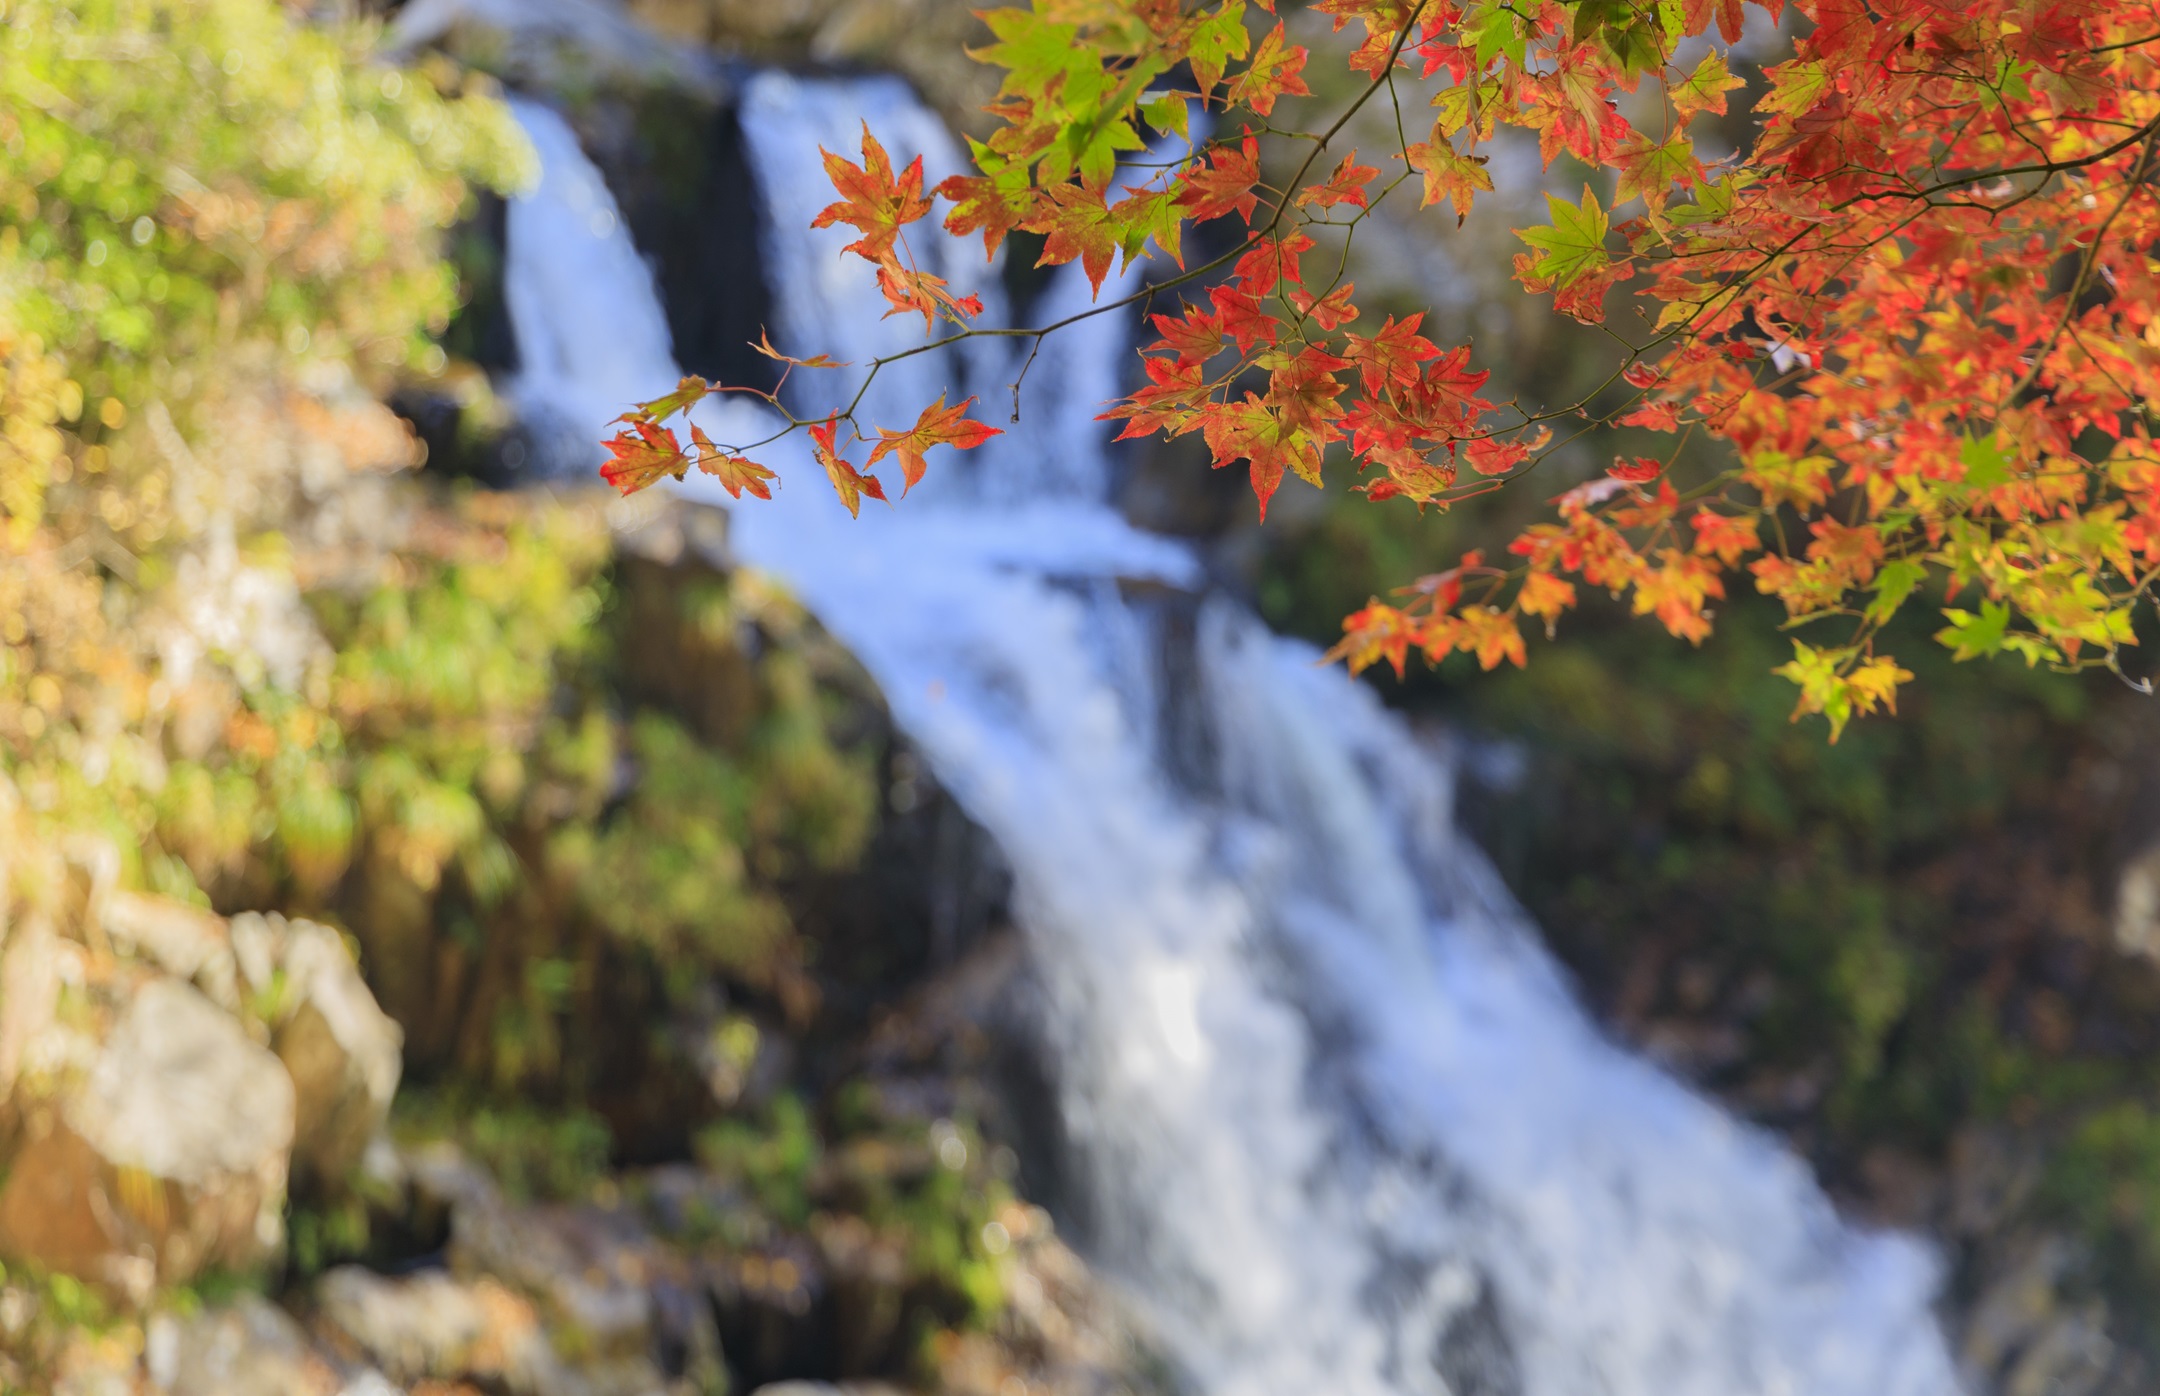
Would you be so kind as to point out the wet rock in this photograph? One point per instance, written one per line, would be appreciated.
(431, 1326)
(247, 1348)
(608, 1297)
(168, 1156)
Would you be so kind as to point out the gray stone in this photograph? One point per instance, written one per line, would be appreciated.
(170, 1154)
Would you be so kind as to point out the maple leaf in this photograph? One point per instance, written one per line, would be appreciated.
(1636, 471)
(1244, 319)
(1411, 474)
(1492, 456)
(1492, 636)
(871, 200)
(1394, 356)
(1302, 390)
(938, 425)
(992, 204)
(1329, 312)
(1150, 214)
(1378, 631)
(1273, 73)
(1569, 109)
(1345, 186)
(763, 345)
(688, 393)
(1545, 595)
(1657, 416)
(1171, 401)
(1702, 90)
(1573, 246)
(641, 454)
(924, 294)
(1269, 262)
(1449, 174)
(736, 473)
(850, 484)
(1835, 683)
(1194, 337)
(1724, 536)
(1216, 40)
(1078, 227)
(1650, 168)
(1253, 431)
(1222, 182)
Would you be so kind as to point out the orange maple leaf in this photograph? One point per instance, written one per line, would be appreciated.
(735, 473)
(873, 202)
(938, 425)
(1078, 227)
(1345, 186)
(642, 453)
(848, 482)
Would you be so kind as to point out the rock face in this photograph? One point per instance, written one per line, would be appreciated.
(248, 1348)
(165, 1072)
(168, 1157)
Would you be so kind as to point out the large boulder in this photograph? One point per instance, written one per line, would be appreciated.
(168, 1156)
(298, 982)
(342, 1050)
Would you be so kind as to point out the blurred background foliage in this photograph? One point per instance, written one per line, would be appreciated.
(565, 801)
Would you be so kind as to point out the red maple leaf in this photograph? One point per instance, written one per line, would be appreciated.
(1636, 471)
(1392, 357)
(1195, 337)
(1345, 186)
(1329, 312)
(1271, 261)
(642, 453)
(1221, 183)
(1175, 393)
(982, 204)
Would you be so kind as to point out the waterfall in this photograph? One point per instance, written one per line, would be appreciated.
(1344, 1126)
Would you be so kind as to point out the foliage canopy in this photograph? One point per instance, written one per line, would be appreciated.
(1914, 303)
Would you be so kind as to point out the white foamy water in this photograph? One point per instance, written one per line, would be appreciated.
(1344, 1127)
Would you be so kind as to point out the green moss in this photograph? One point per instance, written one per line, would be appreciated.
(773, 1157)
(534, 1153)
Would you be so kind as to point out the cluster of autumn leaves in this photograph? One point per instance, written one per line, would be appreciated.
(1916, 305)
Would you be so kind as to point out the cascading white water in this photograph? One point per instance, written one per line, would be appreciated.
(1345, 1127)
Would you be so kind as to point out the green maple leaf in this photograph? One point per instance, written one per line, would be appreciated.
(1497, 30)
(1652, 169)
(1704, 89)
(1897, 580)
(1975, 636)
(1574, 246)
(1986, 463)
